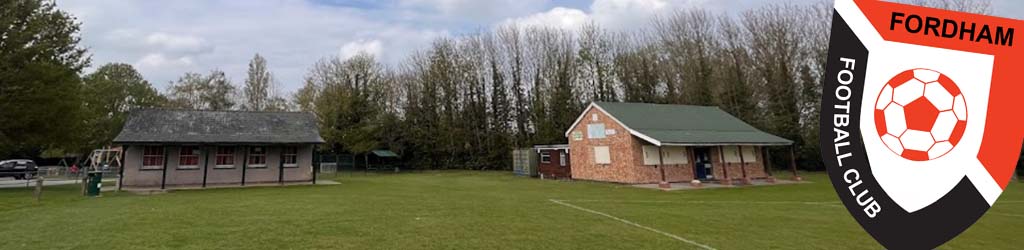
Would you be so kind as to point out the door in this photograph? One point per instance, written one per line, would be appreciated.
(702, 164)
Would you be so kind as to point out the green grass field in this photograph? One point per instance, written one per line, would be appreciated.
(460, 210)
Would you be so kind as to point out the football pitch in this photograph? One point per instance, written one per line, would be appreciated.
(462, 210)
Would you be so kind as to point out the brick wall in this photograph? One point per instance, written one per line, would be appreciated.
(753, 169)
(620, 146)
(554, 169)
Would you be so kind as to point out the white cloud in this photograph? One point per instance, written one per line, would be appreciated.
(178, 43)
(158, 60)
(165, 39)
(475, 10)
(557, 17)
(619, 14)
(372, 47)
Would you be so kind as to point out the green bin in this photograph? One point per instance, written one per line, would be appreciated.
(94, 183)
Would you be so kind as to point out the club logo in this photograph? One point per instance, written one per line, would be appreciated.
(919, 112)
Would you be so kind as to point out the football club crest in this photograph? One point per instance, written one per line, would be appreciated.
(920, 128)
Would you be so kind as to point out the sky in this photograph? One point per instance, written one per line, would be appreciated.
(164, 39)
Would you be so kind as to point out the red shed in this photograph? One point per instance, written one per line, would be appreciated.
(553, 161)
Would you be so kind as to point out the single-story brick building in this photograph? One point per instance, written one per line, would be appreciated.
(553, 161)
(165, 148)
(659, 143)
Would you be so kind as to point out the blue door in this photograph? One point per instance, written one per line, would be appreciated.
(702, 164)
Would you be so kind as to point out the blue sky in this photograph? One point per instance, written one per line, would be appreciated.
(165, 39)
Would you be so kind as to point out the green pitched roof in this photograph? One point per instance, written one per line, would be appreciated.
(687, 124)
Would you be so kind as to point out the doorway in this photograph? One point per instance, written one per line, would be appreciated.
(702, 164)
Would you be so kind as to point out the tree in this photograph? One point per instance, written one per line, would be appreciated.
(258, 85)
(109, 94)
(688, 38)
(40, 59)
(195, 91)
(595, 58)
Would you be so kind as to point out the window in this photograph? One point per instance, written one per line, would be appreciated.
(561, 159)
(257, 157)
(651, 155)
(545, 157)
(595, 131)
(188, 157)
(749, 154)
(675, 155)
(225, 157)
(732, 154)
(290, 156)
(152, 157)
(601, 155)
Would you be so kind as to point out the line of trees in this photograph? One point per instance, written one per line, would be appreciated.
(464, 102)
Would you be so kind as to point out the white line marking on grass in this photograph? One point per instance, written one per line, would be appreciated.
(1007, 214)
(822, 203)
(673, 236)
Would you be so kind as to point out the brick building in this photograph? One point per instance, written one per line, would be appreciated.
(553, 161)
(656, 143)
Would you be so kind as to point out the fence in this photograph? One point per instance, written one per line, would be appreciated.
(53, 175)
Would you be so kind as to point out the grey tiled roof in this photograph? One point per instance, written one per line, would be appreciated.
(194, 126)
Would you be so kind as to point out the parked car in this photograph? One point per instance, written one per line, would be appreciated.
(19, 169)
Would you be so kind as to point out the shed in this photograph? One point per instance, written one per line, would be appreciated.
(553, 161)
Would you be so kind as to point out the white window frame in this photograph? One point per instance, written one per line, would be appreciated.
(596, 131)
(561, 158)
(545, 154)
(285, 155)
(218, 155)
(181, 157)
(651, 155)
(607, 159)
(159, 157)
(731, 154)
(262, 154)
(673, 155)
(752, 156)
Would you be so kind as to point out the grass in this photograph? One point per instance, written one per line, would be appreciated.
(459, 210)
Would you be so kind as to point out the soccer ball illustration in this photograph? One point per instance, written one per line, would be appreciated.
(920, 114)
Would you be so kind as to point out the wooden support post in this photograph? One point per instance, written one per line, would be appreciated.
(725, 167)
(316, 166)
(743, 166)
(245, 163)
(792, 163)
(664, 184)
(693, 163)
(206, 163)
(280, 165)
(163, 176)
(120, 171)
(766, 160)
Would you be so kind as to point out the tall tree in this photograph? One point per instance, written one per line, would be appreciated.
(40, 59)
(258, 85)
(199, 92)
(109, 93)
(596, 64)
(688, 38)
